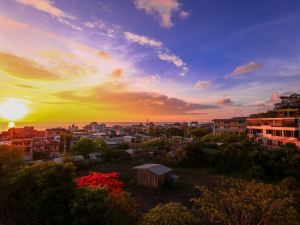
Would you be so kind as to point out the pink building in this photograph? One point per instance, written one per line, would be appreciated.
(274, 132)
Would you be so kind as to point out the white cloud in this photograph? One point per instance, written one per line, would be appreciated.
(163, 53)
(171, 58)
(48, 7)
(142, 40)
(246, 68)
(163, 8)
(203, 84)
(183, 14)
(152, 78)
(94, 24)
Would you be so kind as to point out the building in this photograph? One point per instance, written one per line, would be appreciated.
(94, 127)
(22, 138)
(235, 125)
(274, 132)
(291, 101)
(277, 127)
(152, 175)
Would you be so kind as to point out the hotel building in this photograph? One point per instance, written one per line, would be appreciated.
(235, 125)
(282, 129)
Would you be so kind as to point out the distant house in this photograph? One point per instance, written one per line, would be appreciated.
(152, 175)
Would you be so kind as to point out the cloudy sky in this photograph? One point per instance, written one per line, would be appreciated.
(166, 60)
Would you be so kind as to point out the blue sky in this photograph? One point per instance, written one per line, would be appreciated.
(228, 58)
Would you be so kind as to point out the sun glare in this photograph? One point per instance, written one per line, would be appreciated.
(13, 109)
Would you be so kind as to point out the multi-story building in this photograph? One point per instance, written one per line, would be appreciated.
(94, 127)
(291, 101)
(280, 127)
(274, 132)
(235, 125)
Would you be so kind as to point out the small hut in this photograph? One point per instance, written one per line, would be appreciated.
(152, 175)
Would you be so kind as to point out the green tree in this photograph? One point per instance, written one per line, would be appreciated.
(249, 203)
(42, 193)
(173, 131)
(90, 206)
(95, 206)
(170, 213)
(199, 133)
(101, 144)
(10, 161)
(84, 147)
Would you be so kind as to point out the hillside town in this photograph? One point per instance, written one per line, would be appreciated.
(272, 129)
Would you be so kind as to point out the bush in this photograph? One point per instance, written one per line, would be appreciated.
(240, 202)
(170, 213)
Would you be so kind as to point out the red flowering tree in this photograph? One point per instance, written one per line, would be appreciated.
(107, 180)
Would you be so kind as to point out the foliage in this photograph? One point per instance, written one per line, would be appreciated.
(156, 131)
(101, 200)
(237, 154)
(248, 203)
(173, 131)
(90, 206)
(122, 146)
(170, 213)
(10, 161)
(199, 132)
(111, 155)
(84, 147)
(155, 145)
(40, 190)
(106, 180)
(124, 209)
(101, 144)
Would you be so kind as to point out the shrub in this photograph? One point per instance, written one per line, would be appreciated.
(170, 213)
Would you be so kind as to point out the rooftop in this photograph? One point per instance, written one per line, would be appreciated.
(157, 169)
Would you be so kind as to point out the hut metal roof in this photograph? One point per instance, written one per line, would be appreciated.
(157, 169)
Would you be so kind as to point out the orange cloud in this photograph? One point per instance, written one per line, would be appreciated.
(118, 73)
(47, 7)
(104, 55)
(247, 68)
(225, 101)
(24, 68)
(11, 24)
(110, 97)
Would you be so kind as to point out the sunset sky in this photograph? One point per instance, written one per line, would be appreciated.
(129, 60)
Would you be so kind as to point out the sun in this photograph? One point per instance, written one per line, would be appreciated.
(13, 109)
